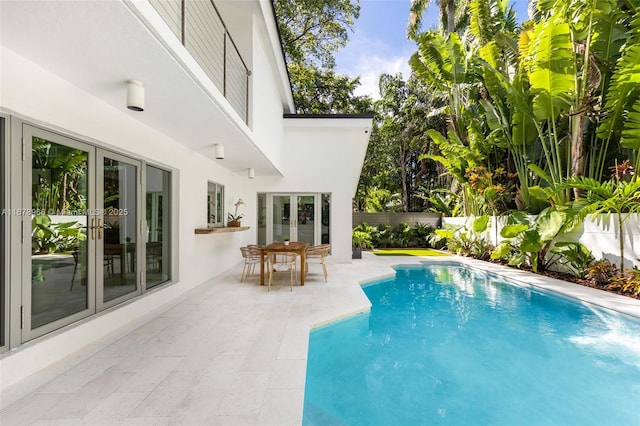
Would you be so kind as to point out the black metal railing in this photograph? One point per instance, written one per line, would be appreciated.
(200, 28)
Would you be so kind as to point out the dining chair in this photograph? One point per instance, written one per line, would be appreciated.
(317, 254)
(251, 255)
(280, 262)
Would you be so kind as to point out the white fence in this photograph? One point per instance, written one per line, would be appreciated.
(396, 218)
(599, 235)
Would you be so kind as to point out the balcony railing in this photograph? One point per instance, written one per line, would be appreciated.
(199, 27)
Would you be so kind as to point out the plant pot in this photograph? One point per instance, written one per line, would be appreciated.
(233, 224)
(356, 253)
(286, 243)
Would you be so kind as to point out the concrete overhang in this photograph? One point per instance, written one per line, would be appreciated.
(98, 45)
(357, 129)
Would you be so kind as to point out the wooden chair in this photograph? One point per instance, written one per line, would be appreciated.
(279, 262)
(317, 254)
(251, 255)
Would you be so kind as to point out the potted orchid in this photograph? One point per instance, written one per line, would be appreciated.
(233, 220)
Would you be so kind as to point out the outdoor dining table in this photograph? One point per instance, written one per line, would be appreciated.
(293, 247)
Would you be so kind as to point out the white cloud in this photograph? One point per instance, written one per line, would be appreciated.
(369, 68)
(370, 55)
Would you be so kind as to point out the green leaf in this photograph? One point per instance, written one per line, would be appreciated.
(512, 231)
(444, 233)
(631, 132)
(552, 69)
(480, 223)
(531, 242)
(502, 250)
(550, 223)
(539, 193)
(518, 259)
(518, 217)
(540, 173)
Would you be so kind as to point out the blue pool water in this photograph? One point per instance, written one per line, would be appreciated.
(445, 344)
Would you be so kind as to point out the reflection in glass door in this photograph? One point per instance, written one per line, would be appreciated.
(305, 225)
(59, 259)
(157, 254)
(116, 227)
(281, 217)
(82, 212)
(301, 217)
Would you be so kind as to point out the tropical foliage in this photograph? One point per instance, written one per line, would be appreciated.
(553, 99)
(311, 32)
(499, 117)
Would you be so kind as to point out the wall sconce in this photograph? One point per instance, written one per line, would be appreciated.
(135, 95)
(251, 172)
(219, 150)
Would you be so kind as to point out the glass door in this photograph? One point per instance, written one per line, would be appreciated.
(290, 215)
(115, 228)
(81, 210)
(305, 225)
(57, 289)
(281, 217)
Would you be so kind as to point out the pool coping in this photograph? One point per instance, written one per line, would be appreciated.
(601, 298)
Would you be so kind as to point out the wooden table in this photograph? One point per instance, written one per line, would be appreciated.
(293, 247)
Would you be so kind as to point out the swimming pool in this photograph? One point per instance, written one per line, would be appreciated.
(446, 344)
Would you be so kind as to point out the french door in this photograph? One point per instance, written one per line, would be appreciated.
(82, 211)
(300, 217)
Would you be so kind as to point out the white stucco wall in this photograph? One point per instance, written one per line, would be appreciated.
(312, 157)
(33, 94)
(266, 107)
(320, 159)
(600, 235)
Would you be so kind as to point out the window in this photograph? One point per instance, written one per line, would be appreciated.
(215, 205)
(158, 238)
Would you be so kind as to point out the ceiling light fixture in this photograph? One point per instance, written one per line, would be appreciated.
(135, 95)
(219, 150)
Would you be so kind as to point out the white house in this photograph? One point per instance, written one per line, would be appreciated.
(112, 116)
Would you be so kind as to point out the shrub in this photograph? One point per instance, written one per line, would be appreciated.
(627, 283)
(574, 257)
(398, 236)
(361, 239)
(601, 272)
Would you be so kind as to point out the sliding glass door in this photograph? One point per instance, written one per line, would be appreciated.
(116, 228)
(56, 216)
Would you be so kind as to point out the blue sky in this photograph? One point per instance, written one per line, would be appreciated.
(378, 45)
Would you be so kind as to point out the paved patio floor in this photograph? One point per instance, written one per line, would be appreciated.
(225, 353)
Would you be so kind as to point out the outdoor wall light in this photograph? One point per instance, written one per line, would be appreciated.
(251, 173)
(135, 95)
(219, 150)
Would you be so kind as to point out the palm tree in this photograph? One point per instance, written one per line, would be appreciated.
(451, 12)
(616, 195)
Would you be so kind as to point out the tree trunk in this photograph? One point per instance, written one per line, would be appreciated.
(621, 236)
(451, 13)
(578, 152)
(405, 190)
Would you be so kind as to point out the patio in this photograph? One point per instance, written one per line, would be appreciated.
(226, 353)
